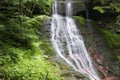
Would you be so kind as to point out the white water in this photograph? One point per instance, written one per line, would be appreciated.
(69, 44)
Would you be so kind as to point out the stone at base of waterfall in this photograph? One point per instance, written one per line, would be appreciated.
(111, 78)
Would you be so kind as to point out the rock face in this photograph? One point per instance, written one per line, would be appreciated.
(111, 78)
(77, 6)
(45, 30)
(99, 51)
(97, 48)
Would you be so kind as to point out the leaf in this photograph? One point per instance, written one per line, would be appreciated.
(115, 6)
(98, 8)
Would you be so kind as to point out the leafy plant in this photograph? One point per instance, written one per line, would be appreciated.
(115, 6)
(80, 19)
(23, 51)
(35, 68)
(113, 40)
(100, 9)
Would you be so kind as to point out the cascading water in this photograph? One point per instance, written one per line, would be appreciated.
(69, 44)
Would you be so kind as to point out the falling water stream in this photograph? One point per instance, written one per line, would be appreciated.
(69, 44)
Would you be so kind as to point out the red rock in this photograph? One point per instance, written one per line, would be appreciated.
(111, 78)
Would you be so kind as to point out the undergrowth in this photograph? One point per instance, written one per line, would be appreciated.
(22, 51)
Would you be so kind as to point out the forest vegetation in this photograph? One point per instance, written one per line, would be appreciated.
(25, 52)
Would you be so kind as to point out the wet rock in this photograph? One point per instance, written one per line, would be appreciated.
(45, 30)
(111, 78)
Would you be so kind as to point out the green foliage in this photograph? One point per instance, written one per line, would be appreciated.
(106, 5)
(118, 20)
(11, 8)
(45, 5)
(37, 6)
(9, 54)
(115, 6)
(113, 40)
(36, 21)
(13, 34)
(101, 1)
(23, 51)
(98, 8)
(80, 19)
(46, 46)
(35, 68)
(119, 58)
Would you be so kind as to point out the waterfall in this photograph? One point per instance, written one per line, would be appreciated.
(69, 44)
